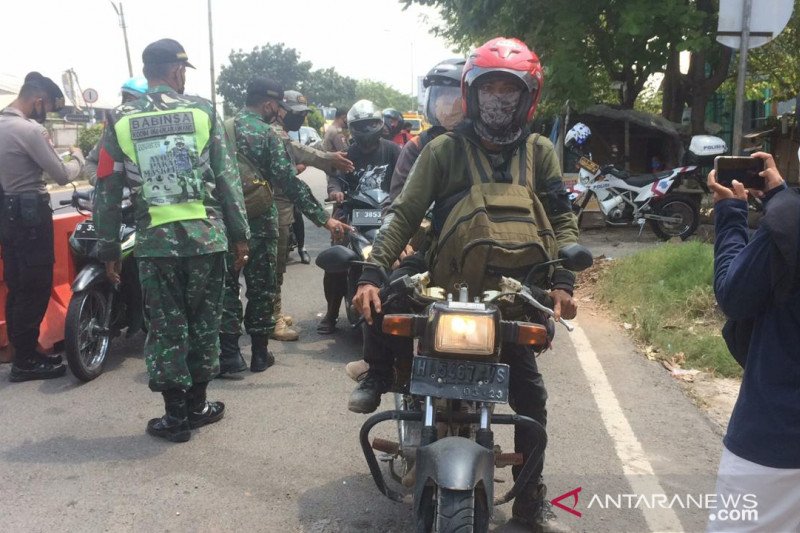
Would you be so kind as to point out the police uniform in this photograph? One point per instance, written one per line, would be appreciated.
(26, 230)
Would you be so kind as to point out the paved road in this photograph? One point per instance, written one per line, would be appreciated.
(74, 457)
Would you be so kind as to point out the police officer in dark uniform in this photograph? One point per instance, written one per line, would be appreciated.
(26, 220)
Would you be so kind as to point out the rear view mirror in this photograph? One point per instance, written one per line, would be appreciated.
(575, 257)
(336, 259)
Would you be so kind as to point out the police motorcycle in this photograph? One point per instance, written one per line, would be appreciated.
(362, 211)
(99, 310)
(655, 199)
(446, 393)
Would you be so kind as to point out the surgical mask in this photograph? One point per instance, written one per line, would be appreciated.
(293, 121)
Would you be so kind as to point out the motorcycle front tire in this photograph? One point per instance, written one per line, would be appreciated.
(685, 206)
(86, 341)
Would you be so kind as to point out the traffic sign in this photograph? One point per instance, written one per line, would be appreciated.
(77, 117)
(90, 96)
(768, 18)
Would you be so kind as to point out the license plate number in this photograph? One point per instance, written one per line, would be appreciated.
(366, 217)
(85, 230)
(460, 380)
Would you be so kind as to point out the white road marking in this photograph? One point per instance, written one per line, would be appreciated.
(636, 467)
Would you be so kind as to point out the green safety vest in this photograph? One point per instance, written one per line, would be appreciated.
(167, 151)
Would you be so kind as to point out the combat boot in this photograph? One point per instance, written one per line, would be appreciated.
(532, 508)
(35, 368)
(174, 425)
(201, 411)
(288, 319)
(261, 358)
(367, 395)
(231, 360)
(283, 332)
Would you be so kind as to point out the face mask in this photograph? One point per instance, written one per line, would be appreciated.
(268, 114)
(496, 122)
(293, 121)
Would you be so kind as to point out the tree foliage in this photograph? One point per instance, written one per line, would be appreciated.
(384, 96)
(776, 65)
(329, 88)
(88, 137)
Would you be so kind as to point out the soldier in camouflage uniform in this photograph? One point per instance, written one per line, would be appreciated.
(259, 143)
(290, 117)
(170, 150)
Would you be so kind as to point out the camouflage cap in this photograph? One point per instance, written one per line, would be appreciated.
(165, 51)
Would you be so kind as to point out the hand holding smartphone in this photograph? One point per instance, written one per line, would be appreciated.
(745, 170)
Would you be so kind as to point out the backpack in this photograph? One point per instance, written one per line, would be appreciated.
(257, 190)
(493, 229)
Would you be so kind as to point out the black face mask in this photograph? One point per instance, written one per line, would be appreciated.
(293, 121)
(39, 116)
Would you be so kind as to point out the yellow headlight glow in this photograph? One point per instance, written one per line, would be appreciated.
(467, 334)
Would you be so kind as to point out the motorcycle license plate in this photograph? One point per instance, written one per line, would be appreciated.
(366, 217)
(460, 380)
(85, 230)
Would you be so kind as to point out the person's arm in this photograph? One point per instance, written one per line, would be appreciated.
(742, 273)
(408, 155)
(228, 185)
(281, 169)
(328, 162)
(106, 212)
(90, 165)
(41, 150)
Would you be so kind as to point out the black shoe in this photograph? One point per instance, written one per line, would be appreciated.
(202, 412)
(327, 326)
(367, 395)
(532, 508)
(261, 358)
(38, 369)
(231, 360)
(174, 425)
(54, 359)
(305, 257)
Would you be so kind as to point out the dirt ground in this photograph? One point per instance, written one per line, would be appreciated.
(715, 395)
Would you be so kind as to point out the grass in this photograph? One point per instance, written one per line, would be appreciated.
(666, 293)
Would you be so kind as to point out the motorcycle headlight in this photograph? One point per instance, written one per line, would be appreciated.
(463, 333)
(365, 251)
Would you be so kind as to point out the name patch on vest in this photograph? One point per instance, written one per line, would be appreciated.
(178, 123)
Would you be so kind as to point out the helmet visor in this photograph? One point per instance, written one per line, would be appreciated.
(366, 127)
(443, 106)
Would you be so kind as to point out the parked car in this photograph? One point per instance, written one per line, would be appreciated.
(308, 136)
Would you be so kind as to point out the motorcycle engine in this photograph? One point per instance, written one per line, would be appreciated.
(616, 214)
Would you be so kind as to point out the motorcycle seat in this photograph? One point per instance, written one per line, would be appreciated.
(646, 179)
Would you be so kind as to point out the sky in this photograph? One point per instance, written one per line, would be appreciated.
(372, 39)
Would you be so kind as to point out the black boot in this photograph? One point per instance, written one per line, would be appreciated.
(174, 425)
(201, 411)
(230, 356)
(533, 509)
(367, 395)
(31, 368)
(261, 358)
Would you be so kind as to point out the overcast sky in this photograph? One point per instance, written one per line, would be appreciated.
(373, 39)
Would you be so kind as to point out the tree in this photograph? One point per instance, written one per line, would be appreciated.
(582, 43)
(315, 119)
(776, 65)
(329, 88)
(384, 96)
(274, 61)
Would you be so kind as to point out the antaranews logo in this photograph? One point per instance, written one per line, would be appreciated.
(721, 507)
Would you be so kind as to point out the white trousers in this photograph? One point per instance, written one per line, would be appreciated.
(755, 498)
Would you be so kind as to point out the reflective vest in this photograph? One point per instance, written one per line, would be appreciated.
(167, 157)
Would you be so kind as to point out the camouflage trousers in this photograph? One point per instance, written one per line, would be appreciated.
(260, 279)
(182, 303)
(283, 258)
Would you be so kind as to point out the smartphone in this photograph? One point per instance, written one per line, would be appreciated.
(745, 170)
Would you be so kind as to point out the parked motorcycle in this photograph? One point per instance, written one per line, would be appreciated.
(99, 310)
(361, 210)
(626, 199)
(447, 390)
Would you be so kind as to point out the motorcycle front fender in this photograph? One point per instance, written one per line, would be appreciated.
(454, 463)
(91, 275)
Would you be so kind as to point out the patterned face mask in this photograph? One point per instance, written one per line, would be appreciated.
(497, 116)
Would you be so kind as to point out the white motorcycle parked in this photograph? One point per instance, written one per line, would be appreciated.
(627, 200)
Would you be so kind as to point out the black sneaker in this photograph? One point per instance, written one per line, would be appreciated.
(210, 413)
(367, 395)
(39, 369)
(170, 428)
(533, 509)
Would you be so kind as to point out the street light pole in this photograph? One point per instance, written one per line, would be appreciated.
(211, 58)
(738, 116)
(121, 15)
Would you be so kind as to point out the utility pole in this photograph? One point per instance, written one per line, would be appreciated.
(211, 58)
(738, 116)
(121, 15)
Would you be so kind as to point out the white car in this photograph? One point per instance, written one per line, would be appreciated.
(308, 136)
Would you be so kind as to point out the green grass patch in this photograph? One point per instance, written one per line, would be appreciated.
(667, 294)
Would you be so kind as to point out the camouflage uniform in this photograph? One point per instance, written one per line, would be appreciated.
(181, 257)
(260, 142)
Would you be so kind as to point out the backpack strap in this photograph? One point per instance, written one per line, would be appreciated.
(478, 167)
(527, 163)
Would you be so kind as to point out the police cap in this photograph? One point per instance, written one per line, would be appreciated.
(165, 51)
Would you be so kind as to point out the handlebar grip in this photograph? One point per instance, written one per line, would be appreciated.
(65, 202)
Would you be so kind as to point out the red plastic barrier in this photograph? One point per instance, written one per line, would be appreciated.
(52, 329)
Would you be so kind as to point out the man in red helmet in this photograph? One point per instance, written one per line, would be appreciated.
(501, 86)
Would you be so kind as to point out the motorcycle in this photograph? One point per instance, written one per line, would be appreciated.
(361, 210)
(445, 394)
(655, 199)
(99, 310)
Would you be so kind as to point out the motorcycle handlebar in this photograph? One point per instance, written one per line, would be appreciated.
(65, 202)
